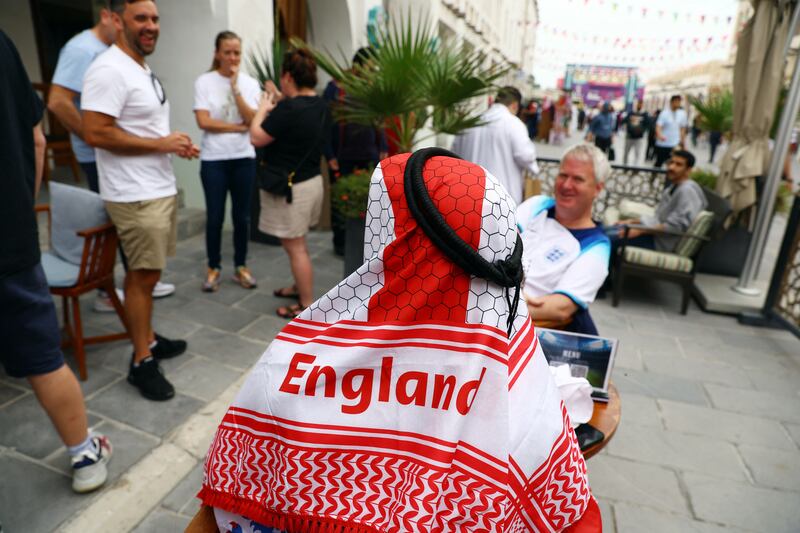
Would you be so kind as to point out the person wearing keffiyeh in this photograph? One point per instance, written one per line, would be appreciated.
(414, 395)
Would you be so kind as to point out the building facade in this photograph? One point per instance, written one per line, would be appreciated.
(504, 29)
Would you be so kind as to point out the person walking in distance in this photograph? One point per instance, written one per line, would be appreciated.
(64, 102)
(28, 324)
(601, 128)
(636, 126)
(670, 130)
(225, 102)
(126, 119)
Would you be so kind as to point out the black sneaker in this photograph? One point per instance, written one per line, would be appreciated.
(167, 349)
(150, 381)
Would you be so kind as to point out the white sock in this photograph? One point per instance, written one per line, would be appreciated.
(85, 446)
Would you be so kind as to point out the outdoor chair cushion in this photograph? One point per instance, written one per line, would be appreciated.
(662, 260)
(701, 227)
(626, 209)
(73, 209)
(59, 273)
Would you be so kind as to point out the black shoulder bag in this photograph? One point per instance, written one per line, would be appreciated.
(276, 184)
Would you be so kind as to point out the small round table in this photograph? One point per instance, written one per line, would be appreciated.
(605, 418)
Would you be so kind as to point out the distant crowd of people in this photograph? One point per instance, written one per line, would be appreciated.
(648, 136)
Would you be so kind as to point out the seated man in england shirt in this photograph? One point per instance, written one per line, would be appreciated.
(566, 253)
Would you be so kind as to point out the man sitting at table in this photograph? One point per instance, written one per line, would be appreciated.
(566, 253)
(680, 203)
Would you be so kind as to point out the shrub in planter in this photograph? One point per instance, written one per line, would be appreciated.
(349, 194)
(704, 178)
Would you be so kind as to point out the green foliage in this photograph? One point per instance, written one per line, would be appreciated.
(716, 111)
(705, 178)
(783, 202)
(349, 194)
(411, 79)
(266, 64)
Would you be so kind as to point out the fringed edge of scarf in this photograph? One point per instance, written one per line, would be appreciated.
(289, 522)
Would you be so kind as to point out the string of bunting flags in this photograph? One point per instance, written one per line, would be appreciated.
(631, 8)
(637, 42)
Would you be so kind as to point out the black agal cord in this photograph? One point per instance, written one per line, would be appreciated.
(505, 272)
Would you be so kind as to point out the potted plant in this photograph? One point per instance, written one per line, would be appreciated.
(716, 116)
(413, 85)
(412, 81)
(349, 197)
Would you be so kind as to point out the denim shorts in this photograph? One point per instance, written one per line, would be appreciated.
(30, 341)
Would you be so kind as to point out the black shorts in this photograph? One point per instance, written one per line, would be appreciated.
(30, 341)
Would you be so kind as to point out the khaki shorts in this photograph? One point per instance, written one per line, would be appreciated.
(147, 230)
(291, 220)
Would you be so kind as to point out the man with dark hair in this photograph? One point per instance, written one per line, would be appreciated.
(353, 146)
(509, 96)
(126, 118)
(501, 145)
(680, 204)
(64, 102)
(670, 130)
(601, 128)
(28, 323)
(636, 125)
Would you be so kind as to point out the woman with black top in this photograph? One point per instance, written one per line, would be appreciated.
(292, 125)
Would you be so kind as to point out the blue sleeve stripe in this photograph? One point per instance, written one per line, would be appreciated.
(600, 247)
(531, 208)
(580, 303)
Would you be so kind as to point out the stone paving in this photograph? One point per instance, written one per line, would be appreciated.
(709, 439)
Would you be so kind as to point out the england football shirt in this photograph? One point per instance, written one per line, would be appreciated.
(557, 260)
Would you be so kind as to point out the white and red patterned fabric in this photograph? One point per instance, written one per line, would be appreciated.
(398, 402)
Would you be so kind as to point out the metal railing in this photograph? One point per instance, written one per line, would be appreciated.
(783, 299)
(639, 184)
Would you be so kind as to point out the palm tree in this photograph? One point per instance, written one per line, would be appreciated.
(716, 111)
(411, 80)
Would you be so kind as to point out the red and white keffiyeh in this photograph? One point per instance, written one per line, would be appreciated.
(398, 401)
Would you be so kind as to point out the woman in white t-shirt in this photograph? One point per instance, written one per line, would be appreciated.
(225, 101)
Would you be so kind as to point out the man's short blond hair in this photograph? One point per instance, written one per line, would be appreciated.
(590, 154)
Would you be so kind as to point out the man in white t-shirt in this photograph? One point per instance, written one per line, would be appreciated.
(670, 130)
(501, 145)
(565, 253)
(126, 119)
(64, 102)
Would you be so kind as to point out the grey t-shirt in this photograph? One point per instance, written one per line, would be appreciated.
(677, 209)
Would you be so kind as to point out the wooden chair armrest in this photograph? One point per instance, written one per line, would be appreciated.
(203, 521)
(45, 208)
(88, 232)
(552, 324)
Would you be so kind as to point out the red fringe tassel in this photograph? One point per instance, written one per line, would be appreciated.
(292, 523)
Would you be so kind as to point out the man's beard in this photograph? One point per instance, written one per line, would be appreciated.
(134, 42)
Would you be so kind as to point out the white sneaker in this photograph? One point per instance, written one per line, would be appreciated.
(102, 302)
(163, 289)
(89, 470)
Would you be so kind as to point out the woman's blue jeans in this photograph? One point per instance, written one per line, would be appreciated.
(220, 177)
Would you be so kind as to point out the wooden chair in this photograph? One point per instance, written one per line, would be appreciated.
(678, 266)
(59, 145)
(70, 279)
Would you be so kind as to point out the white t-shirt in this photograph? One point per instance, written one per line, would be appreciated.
(671, 123)
(557, 260)
(212, 92)
(118, 86)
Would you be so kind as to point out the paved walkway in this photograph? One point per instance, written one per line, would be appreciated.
(709, 439)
